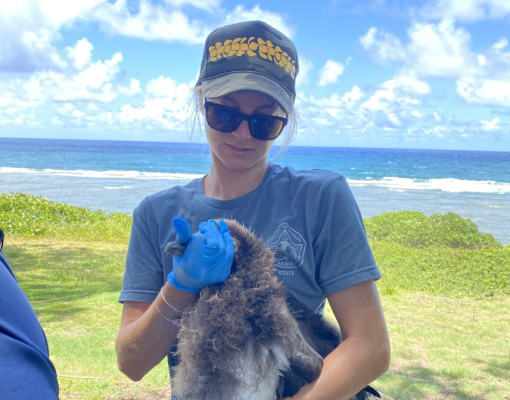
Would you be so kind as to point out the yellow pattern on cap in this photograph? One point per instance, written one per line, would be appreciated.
(265, 48)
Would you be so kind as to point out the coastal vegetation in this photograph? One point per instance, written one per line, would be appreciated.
(445, 292)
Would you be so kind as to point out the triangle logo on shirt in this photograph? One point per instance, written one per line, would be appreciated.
(288, 245)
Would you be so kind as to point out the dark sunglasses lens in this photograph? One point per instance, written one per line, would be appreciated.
(266, 128)
(223, 119)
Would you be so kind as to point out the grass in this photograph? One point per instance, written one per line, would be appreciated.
(443, 346)
(446, 348)
(446, 302)
(445, 271)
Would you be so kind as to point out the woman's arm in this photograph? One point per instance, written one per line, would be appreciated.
(364, 354)
(145, 337)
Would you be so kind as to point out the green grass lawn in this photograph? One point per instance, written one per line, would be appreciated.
(444, 347)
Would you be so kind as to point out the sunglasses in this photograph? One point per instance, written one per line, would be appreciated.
(227, 119)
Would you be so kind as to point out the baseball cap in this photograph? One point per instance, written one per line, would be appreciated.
(250, 55)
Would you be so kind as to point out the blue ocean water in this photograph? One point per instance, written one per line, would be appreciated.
(116, 175)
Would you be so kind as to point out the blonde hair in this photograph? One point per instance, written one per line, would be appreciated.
(196, 117)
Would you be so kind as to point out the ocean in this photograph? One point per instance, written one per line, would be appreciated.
(117, 175)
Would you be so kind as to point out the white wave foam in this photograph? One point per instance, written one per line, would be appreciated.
(117, 187)
(392, 183)
(445, 185)
(101, 174)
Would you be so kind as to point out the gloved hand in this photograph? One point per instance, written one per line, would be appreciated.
(207, 259)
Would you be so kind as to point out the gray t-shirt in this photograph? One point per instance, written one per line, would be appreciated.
(309, 218)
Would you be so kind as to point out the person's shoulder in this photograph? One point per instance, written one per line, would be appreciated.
(172, 193)
(167, 197)
(313, 177)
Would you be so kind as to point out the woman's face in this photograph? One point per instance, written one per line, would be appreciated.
(238, 151)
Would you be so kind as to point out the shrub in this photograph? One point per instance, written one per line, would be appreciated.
(416, 230)
(27, 215)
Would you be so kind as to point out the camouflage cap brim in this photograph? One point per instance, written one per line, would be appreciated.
(237, 81)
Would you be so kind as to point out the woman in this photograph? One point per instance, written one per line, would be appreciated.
(246, 91)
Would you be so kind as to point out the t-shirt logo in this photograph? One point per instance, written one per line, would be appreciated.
(288, 246)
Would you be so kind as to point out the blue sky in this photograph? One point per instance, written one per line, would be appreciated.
(373, 73)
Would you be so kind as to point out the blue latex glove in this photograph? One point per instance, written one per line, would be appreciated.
(208, 256)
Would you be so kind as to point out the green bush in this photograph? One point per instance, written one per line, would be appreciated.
(416, 230)
(27, 215)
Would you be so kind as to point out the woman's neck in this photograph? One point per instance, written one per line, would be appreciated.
(223, 184)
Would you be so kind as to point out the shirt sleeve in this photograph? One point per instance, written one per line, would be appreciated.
(342, 254)
(26, 371)
(143, 276)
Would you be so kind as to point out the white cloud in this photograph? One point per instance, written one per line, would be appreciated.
(19, 118)
(323, 121)
(380, 101)
(482, 60)
(392, 107)
(392, 118)
(131, 90)
(438, 131)
(240, 14)
(384, 46)
(439, 49)
(206, 5)
(489, 126)
(80, 54)
(466, 10)
(161, 87)
(98, 73)
(161, 22)
(330, 73)
(152, 22)
(407, 84)
(484, 91)
(392, 111)
(93, 83)
(166, 105)
(501, 44)
(432, 50)
(396, 92)
(305, 66)
(78, 114)
(352, 97)
(444, 50)
(29, 28)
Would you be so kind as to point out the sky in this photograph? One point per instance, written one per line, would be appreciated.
(431, 74)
